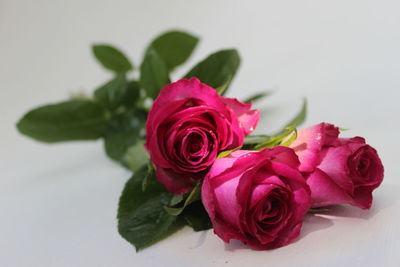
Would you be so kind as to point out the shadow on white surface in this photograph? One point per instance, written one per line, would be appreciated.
(202, 238)
(387, 197)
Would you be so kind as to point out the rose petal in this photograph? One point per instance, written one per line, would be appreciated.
(174, 182)
(309, 143)
(325, 192)
(363, 197)
(334, 164)
(248, 119)
(226, 201)
(237, 189)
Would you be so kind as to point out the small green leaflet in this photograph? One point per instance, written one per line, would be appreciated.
(284, 137)
(111, 58)
(216, 69)
(226, 153)
(222, 89)
(135, 156)
(132, 94)
(112, 94)
(258, 96)
(256, 139)
(193, 195)
(150, 171)
(289, 139)
(279, 139)
(142, 219)
(66, 121)
(123, 132)
(176, 199)
(153, 73)
(196, 216)
(174, 47)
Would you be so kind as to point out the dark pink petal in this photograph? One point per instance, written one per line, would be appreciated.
(183, 90)
(301, 192)
(175, 183)
(292, 175)
(366, 168)
(286, 156)
(259, 193)
(363, 197)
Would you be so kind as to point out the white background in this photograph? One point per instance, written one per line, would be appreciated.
(58, 202)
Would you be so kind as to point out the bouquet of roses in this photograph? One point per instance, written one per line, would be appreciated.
(193, 158)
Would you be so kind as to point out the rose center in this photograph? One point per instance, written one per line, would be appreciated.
(196, 144)
(363, 166)
(272, 211)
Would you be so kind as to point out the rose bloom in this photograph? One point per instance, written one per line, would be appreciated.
(188, 125)
(258, 197)
(338, 170)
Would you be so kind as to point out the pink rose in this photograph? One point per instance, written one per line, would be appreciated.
(338, 170)
(258, 197)
(188, 125)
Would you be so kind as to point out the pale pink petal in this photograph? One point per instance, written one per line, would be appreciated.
(325, 192)
(227, 204)
(248, 118)
(309, 143)
(334, 164)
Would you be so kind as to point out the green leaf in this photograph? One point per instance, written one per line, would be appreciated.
(226, 153)
(142, 220)
(176, 199)
(258, 96)
(117, 93)
(65, 121)
(277, 140)
(289, 139)
(297, 120)
(123, 131)
(196, 216)
(111, 58)
(150, 171)
(221, 90)
(174, 47)
(153, 73)
(256, 139)
(114, 93)
(193, 195)
(251, 141)
(135, 156)
(217, 69)
(132, 94)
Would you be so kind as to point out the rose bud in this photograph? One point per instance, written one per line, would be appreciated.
(258, 197)
(188, 125)
(338, 170)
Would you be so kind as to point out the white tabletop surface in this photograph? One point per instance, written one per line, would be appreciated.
(58, 202)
